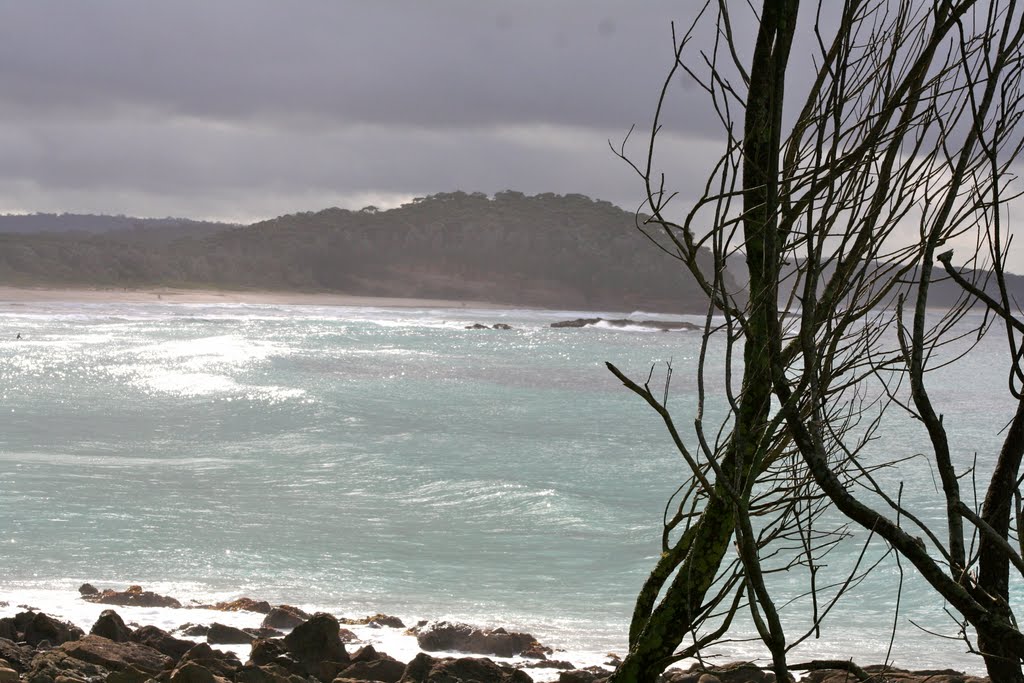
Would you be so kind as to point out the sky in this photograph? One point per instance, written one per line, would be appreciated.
(240, 110)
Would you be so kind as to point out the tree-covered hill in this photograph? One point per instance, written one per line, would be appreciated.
(546, 250)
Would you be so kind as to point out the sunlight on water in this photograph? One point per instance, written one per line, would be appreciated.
(382, 460)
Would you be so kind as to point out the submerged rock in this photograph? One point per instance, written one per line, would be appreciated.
(452, 637)
(375, 621)
(134, 596)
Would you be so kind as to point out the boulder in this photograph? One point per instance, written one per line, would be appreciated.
(369, 665)
(194, 630)
(243, 605)
(117, 656)
(110, 625)
(36, 628)
(316, 646)
(477, 326)
(18, 657)
(284, 616)
(221, 634)
(443, 636)
(134, 596)
(53, 665)
(268, 673)
(266, 652)
(87, 589)
(129, 674)
(426, 669)
(375, 620)
(8, 675)
(591, 674)
(264, 632)
(162, 641)
(190, 672)
(501, 326)
(218, 662)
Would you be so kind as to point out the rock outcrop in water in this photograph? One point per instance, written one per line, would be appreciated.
(52, 651)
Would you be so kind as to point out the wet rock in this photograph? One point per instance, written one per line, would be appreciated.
(477, 326)
(117, 656)
(316, 646)
(8, 675)
(549, 664)
(375, 620)
(110, 625)
(443, 636)
(426, 669)
(87, 589)
(134, 596)
(190, 672)
(220, 634)
(284, 616)
(162, 641)
(501, 326)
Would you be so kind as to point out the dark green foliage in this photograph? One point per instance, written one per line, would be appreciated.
(546, 250)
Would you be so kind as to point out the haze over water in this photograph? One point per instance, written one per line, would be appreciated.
(360, 460)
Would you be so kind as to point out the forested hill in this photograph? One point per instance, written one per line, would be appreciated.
(546, 250)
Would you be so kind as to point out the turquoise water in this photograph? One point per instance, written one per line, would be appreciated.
(378, 460)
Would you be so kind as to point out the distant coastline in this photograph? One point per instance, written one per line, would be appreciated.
(225, 296)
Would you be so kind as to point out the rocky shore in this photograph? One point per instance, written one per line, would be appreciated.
(292, 646)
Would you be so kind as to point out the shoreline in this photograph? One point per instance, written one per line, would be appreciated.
(176, 295)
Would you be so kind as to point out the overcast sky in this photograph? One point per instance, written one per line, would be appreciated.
(246, 109)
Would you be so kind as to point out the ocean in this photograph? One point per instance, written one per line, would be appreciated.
(362, 460)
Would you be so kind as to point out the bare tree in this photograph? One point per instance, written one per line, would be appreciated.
(835, 192)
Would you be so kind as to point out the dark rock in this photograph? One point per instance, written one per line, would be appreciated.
(375, 620)
(265, 652)
(53, 665)
(549, 664)
(162, 641)
(269, 673)
(36, 627)
(426, 669)
(190, 672)
(134, 596)
(8, 675)
(110, 625)
(664, 325)
(347, 636)
(501, 326)
(194, 630)
(8, 630)
(243, 605)
(316, 646)
(117, 656)
(17, 656)
(218, 662)
(385, 669)
(87, 589)
(129, 674)
(220, 634)
(592, 674)
(264, 632)
(477, 326)
(448, 637)
(284, 616)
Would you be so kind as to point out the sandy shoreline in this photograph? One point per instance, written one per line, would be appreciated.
(212, 296)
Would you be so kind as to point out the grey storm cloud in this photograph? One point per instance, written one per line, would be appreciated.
(244, 109)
